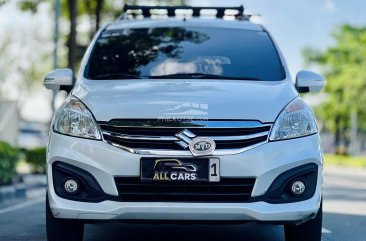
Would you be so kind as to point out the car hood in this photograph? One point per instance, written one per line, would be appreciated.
(185, 99)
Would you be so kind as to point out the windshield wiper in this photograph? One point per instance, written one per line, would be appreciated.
(200, 76)
(113, 76)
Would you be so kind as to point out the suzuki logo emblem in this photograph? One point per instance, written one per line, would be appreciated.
(198, 146)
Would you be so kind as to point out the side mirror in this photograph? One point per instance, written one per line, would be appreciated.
(59, 79)
(307, 81)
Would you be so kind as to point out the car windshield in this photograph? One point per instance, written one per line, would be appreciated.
(184, 53)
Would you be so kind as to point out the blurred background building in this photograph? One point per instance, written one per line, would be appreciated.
(9, 122)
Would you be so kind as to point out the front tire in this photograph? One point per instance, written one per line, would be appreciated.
(308, 231)
(62, 229)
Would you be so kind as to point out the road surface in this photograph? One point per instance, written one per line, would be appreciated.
(344, 219)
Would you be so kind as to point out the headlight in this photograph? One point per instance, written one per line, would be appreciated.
(74, 119)
(296, 120)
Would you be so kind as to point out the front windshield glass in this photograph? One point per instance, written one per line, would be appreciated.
(208, 53)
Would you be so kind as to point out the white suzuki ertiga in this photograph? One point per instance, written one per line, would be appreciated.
(175, 117)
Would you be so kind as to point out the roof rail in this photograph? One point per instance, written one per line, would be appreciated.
(170, 11)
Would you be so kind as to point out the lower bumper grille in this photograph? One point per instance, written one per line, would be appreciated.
(228, 190)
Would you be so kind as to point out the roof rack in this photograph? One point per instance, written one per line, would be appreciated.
(170, 11)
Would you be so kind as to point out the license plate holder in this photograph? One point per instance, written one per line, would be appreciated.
(180, 170)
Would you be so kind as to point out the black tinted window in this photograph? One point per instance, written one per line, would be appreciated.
(183, 53)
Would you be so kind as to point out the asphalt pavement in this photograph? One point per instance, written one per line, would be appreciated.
(344, 219)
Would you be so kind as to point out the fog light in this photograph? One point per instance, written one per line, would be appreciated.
(298, 188)
(71, 186)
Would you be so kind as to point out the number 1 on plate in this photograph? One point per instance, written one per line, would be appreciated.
(214, 170)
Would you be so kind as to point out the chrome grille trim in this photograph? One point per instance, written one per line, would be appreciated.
(148, 137)
(162, 152)
(191, 124)
(136, 137)
(173, 138)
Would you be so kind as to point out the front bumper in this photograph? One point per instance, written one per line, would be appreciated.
(265, 163)
(256, 211)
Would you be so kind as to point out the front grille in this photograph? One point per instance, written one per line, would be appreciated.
(228, 190)
(151, 137)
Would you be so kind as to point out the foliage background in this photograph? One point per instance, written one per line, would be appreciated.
(8, 158)
(343, 64)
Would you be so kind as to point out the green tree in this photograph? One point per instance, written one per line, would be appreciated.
(343, 64)
(98, 12)
(71, 11)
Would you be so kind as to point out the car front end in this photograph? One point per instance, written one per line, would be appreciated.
(258, 166)
(170, 129)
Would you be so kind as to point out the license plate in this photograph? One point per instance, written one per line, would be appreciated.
(180, 170)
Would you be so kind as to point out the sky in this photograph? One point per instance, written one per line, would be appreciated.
(294, 24)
